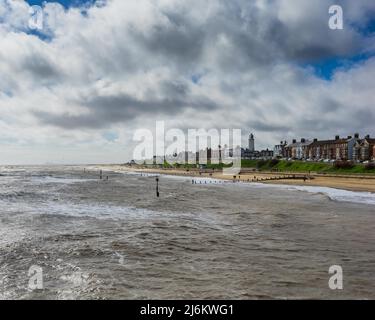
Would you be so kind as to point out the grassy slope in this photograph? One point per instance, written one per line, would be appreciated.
(300, 166)
(289, 166)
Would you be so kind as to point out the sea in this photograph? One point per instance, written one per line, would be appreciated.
(67, 234)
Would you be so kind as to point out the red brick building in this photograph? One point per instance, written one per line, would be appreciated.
(336, 149)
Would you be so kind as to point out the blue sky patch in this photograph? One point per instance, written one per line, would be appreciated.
(195, 78)
(367, 29)
(110, 136)
(65, 3)
(325, 69)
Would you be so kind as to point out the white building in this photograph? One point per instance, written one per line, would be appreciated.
(251, 143)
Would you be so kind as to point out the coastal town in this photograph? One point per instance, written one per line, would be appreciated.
(354, 149)
(351, 148)
(342, 163)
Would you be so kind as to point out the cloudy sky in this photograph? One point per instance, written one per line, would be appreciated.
(75, 91)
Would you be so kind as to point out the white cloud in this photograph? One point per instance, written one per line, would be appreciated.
(125, 64)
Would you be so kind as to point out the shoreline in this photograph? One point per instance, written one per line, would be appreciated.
(350, 183)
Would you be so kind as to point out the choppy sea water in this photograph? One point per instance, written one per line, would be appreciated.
(114, 239)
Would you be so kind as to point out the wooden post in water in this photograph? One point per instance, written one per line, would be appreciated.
(157, 187)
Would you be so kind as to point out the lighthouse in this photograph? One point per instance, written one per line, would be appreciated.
(251, 143)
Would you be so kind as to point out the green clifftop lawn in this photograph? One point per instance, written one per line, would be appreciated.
(301, 166)
(292, 166)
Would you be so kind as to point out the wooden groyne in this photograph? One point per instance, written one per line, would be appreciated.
(286, 177)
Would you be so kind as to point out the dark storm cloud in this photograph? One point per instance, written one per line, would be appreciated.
(328, 105)
(41, 69)
(175, 89)
(106, 110)
(257, 38)
(179, 40)
(363, 118)
(266, 126)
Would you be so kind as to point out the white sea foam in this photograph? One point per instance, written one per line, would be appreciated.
(332, 193)
(59, 180)
(98, 210)
(339, 194)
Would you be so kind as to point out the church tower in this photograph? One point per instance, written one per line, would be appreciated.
(251, 143)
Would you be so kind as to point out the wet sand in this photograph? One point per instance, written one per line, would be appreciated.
(352, 183)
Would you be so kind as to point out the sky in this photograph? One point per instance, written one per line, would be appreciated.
(76, 91)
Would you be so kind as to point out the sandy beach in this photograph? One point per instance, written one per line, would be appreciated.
(351, 183)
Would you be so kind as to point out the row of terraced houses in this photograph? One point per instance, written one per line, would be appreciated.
(351, 148)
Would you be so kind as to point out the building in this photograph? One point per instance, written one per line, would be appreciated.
(251, 154)
(302, 149)
(336, 149)
(350, 148)
(279, 150)
(340, 149)
(251, 143)
(298, 150)
(305, 149)
(351, 142)
(266, 154)
(364, 149)
(204, 156)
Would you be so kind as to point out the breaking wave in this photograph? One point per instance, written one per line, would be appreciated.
(332, 193)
